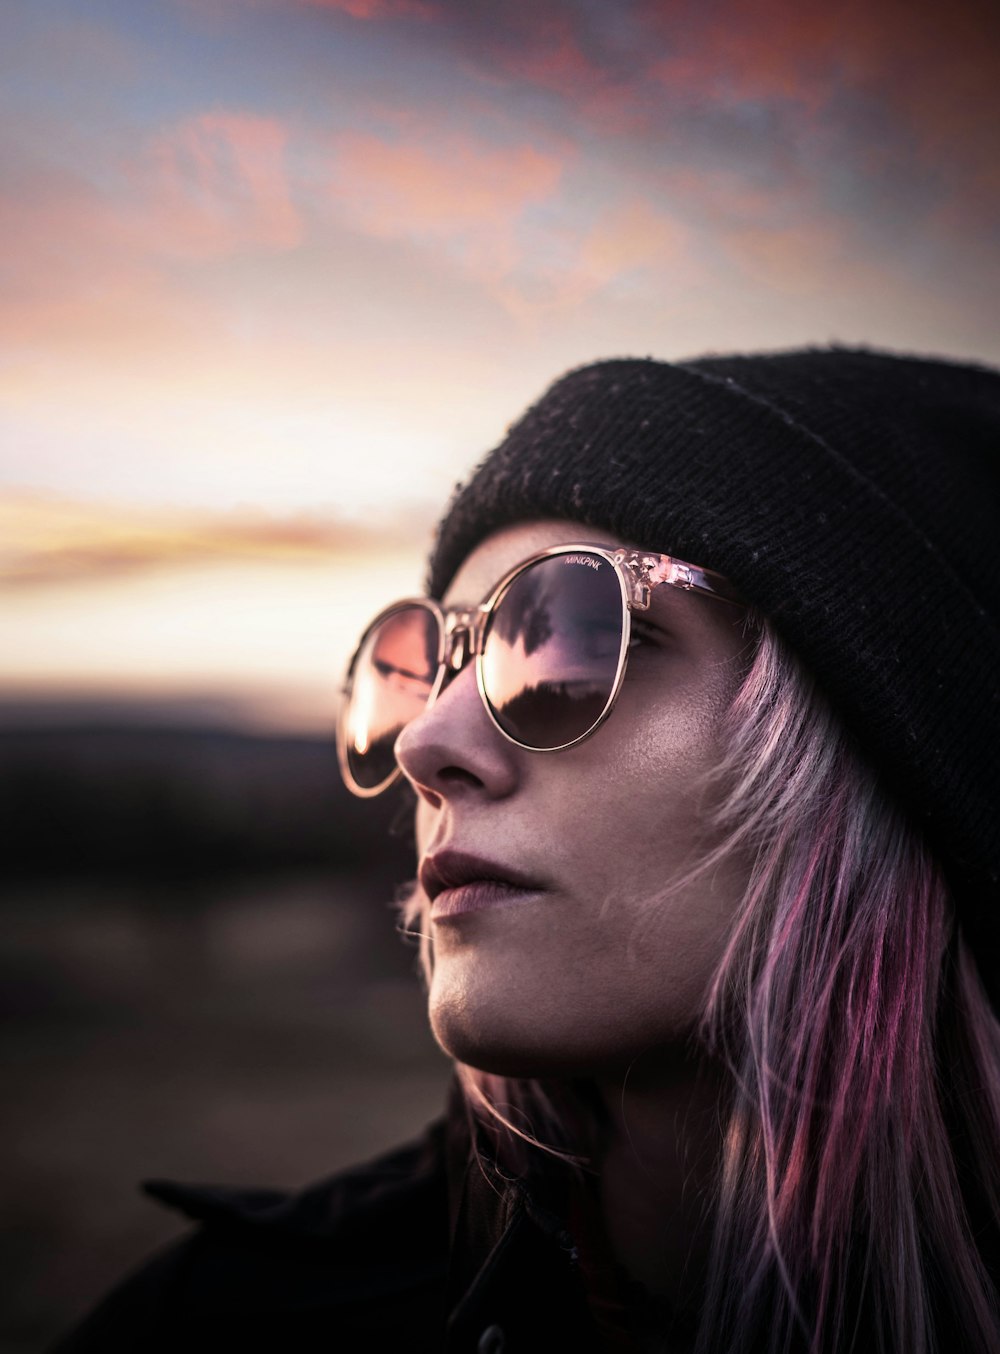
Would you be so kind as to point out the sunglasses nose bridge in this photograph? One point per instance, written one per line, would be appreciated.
(461, 638)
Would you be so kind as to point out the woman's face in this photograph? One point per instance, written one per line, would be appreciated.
(597, 964)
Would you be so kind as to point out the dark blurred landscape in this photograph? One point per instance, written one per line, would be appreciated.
(201, 979)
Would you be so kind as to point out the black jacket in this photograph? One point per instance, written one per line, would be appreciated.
(421, 1249)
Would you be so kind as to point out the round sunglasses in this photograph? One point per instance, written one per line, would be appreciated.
(550, 644)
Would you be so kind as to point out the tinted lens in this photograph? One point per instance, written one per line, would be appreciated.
(391, 683)
(552, 649)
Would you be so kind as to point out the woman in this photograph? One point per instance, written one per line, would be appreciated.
(702, 740)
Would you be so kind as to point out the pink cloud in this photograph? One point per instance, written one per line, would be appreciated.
(217, 183)
(933, 68)
(81, 280)
(548, 55)
(625, 243)
(355, 9)
(211, 186)
(377, 9)
(88, 266)
(729, 61)
(721, 198)
(464, 200)
(443, 189)
(471, 203)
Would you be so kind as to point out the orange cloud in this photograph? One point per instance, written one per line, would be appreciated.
(455, 185)
(808, 257)
(51, 539)
(629, 237)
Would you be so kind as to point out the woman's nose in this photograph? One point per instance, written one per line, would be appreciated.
(453, 747)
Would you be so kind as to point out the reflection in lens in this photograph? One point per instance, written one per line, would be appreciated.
(391, 682)
(552, 649)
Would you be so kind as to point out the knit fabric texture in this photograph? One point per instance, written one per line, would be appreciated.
(854, 497)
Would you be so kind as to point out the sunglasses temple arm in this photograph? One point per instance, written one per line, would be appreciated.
(645, 571)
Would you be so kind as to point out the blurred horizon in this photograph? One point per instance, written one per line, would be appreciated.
(201, 977)
(278, 272)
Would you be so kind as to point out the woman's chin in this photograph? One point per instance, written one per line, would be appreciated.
(500, 1041)
(493, 1041)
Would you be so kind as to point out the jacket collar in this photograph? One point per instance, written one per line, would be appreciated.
(434, 1216)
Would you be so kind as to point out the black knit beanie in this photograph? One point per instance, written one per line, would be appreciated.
(854, 498)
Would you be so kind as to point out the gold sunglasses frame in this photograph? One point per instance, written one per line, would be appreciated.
(462, 633)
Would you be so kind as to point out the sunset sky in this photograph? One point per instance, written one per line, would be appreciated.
(276, 273)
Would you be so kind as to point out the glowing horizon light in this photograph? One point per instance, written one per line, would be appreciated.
(273, 636)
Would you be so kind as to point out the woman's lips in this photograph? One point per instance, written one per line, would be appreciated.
(477, 895)
(457, 882)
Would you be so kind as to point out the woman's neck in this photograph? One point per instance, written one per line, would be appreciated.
(663, 1145)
